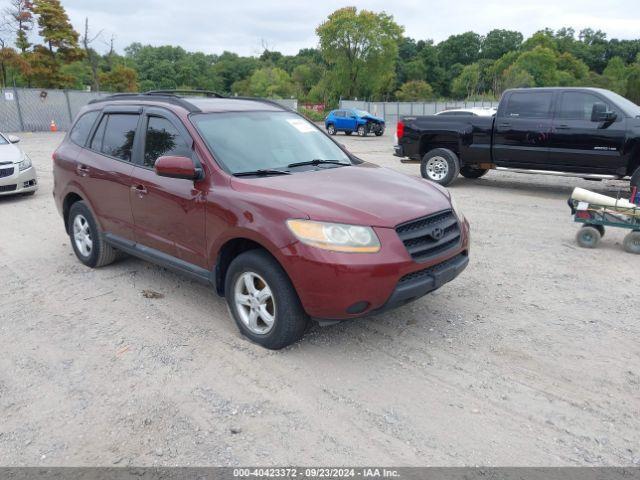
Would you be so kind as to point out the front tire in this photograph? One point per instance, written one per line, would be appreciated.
(472, 172)
(362, 131)
(86, 239)
(440, 165)
(588, 236)
(331, 129)
(263, 302)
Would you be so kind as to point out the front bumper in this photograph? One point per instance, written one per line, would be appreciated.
(338, 286)
(18, 182)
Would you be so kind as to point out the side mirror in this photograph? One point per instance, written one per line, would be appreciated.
(13, 138)
(177, 167)
(599, 113)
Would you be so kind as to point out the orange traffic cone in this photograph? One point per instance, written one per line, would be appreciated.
(53, 127)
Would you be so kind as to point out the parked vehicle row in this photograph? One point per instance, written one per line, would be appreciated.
(293, 230)
(17, 173)
(583, 132)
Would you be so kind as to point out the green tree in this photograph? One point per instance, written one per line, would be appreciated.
(463, 49)
(20, 20)
(270, 82)
(541, 64)
(467, 83)
(616, 75)
(361, 49)
(516, 77)
(498, 42)
(56, 29)
(633, 84)
(120, 79)
(415, 90)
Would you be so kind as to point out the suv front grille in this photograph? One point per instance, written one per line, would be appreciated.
(430, 236)
(8, 188)
(5, 172)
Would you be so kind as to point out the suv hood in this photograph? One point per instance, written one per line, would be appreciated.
(363, 194)
(373, 117)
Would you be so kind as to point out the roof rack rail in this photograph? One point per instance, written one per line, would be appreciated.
(177, 92)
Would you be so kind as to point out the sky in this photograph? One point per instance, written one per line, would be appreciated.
(248, 26)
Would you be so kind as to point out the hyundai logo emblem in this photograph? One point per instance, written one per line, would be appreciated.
(437, 233)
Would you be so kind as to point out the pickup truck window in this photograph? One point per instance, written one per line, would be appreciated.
(529, 105)
(578, 105)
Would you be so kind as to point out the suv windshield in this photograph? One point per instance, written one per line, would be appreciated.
(252, 141)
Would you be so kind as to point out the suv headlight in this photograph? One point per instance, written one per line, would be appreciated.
(335, 236)
(456, 209)
(25, 163)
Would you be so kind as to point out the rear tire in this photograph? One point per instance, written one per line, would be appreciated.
(440, 165)
(473, 172)
(588, 237)
(86, 239)
(263, 302)
(331, 129)
(632, 242)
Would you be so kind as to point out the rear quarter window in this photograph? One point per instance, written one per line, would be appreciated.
(529, 105)
(80, 131)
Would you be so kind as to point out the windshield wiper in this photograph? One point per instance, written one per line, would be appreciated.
(317, 161)
(261, 172)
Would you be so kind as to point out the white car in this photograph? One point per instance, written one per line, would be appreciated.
(17, 173)
(470, 112)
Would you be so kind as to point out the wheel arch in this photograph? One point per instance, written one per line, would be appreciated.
(430, 141)
(229, 251)
(69, 200)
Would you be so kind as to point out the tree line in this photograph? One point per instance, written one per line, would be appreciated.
(360, 54)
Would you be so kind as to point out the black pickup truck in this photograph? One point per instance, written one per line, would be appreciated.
(583, 132)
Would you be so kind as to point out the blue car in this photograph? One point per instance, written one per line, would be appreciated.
(353, 120)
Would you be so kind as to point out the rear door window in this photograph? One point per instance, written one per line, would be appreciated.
(80, 131)
(119, 135)
(529, 105)
(163, 138)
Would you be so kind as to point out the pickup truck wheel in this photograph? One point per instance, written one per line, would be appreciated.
(263, 302)
(362, 131)
(635, 178)
(440, 165)
(331, 129)
(86, 240)
(588, 237)
(473, 172)
(632, 242)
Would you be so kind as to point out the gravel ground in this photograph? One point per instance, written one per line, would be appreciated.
(530, 357)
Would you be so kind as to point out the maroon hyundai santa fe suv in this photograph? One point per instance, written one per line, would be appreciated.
(254, 199)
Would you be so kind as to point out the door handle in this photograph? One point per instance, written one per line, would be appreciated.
(139, 189)
(505, 124)
(82, 170)
(562, 126)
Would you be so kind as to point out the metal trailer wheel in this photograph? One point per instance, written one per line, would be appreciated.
(588, 237)
(632, 242)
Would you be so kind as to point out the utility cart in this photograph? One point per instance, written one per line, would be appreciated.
(595, 218)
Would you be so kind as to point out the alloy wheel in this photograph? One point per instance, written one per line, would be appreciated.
(82, 235)
(255, 303)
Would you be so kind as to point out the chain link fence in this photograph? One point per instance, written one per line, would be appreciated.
(391, 111)
(33, 109)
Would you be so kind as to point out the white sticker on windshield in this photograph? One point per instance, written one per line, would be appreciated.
(301, 125)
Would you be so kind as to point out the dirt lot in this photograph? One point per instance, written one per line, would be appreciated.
(529, 358)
